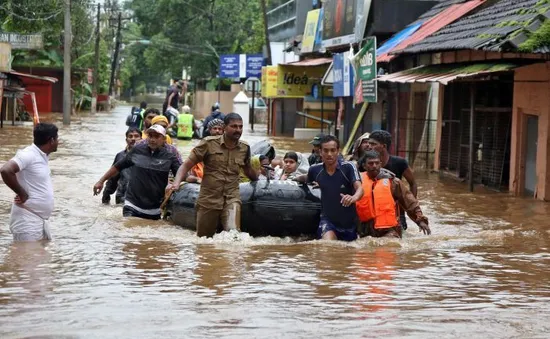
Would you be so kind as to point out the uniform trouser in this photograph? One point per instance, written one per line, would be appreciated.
(208, 219)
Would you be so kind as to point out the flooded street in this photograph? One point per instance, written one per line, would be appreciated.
(483, 273)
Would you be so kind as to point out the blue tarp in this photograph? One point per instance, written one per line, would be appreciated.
(398, 38)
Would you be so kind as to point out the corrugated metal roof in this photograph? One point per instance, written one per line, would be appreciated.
(38, 77)
(447, 16)
(491, 28)
(310, 62)
(395, 40)
(445, 73)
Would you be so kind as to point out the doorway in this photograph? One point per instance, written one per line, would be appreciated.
(531, 140)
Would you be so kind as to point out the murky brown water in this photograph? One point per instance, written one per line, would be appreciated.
(484, 273)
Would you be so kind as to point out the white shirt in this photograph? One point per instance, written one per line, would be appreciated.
(35, 177)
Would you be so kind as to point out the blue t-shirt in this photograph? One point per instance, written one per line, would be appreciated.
(341, 182)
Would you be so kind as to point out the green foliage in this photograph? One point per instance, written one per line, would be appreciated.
(47, 17)
(537, 39)
(190, 34)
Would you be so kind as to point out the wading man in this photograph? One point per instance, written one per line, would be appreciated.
(223, 156)
(340, 188)
(28, 175)
(150, 164)
(380, 141)
(385, 196)
(119, 182)
(215, 128)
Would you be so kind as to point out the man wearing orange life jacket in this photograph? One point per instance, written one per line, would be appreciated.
(215, 127)
(379, 209)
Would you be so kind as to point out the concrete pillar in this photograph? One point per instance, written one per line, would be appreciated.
(240, 106)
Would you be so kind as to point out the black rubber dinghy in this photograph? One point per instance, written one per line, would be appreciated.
(274, 208)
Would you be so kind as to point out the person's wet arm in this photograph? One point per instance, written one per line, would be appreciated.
(409, 176)
(410, 204)
(124, 163)
(351, 172)
(9, 176)
(112, 184)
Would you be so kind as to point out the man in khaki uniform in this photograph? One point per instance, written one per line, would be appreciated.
(219, 198)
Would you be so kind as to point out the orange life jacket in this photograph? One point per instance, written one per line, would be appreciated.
(377, 203)
(198, 170)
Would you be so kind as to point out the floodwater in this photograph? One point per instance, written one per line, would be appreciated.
(484, 273)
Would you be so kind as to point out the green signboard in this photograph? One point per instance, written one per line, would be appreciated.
(367, 70)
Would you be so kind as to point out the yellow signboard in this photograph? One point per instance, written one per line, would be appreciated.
(269, 81)
(5, 57)
(310, 31)
(297, 81)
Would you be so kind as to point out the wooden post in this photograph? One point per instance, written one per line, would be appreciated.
(96, 62)
(67, 102)
(35, 116)
(472, 123)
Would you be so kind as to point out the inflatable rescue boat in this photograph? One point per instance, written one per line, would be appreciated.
(269, 208)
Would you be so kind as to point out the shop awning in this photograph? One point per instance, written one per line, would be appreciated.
(310, 62)
(32, 76)
(445, 73)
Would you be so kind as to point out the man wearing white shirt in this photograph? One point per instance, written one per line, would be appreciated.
(29, 176)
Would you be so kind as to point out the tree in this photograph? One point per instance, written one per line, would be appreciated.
(193, 33)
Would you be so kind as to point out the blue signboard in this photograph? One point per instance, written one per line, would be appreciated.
(254, 63)
(229, 66)
(241, 65)
(343, 75)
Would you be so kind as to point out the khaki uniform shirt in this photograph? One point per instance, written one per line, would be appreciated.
(220, 183)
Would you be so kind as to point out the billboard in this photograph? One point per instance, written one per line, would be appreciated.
(344, 21)
(241, 65)
(310, 31)
(343, 75)
(297, 81)
(269, 81)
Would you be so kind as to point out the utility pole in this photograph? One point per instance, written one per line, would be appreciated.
(115, 57)
(96, 61)
(67, 66)
(266, 32)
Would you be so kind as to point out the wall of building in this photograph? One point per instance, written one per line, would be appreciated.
(531, 97)
(203, 101)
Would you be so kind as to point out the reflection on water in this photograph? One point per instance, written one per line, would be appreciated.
(483, 273)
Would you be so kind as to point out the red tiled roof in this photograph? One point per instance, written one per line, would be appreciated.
(446, 17)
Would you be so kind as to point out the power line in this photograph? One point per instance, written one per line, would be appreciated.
(31, 19)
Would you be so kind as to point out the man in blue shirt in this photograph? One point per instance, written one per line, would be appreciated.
(340, 186)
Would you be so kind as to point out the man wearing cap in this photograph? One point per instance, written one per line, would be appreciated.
(223, 156)
(315, 156)
(150, 164)
(162, 121)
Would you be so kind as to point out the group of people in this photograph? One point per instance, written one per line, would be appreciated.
(363, 196)
(360, 197)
